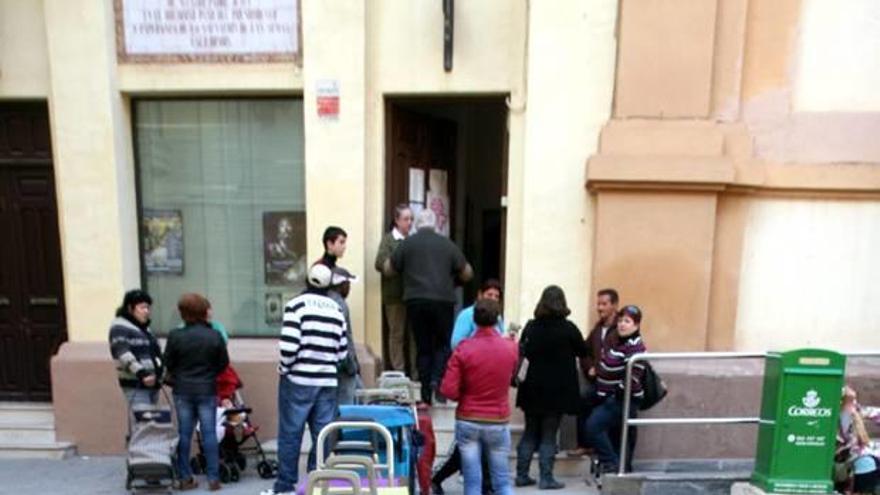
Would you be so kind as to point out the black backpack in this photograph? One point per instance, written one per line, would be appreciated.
(654, 388)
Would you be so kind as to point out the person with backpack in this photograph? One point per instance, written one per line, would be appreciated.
(605, 417)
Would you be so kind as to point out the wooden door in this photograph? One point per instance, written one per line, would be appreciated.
(418, 141)
(32, 324)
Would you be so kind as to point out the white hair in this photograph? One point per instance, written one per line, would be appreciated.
(426, 218)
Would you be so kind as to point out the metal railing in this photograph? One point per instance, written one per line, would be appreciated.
(666, 356)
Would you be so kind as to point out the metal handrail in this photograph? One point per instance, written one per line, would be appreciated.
(626, 421)
(660, 356)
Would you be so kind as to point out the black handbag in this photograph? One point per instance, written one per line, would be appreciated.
(522, 366)
(653, 387)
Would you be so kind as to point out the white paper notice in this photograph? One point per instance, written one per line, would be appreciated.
(416, 185)
(437, 181)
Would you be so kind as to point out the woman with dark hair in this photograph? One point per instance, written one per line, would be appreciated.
(135, 349)
(550, 343)
(194, 356)
(392, 292)
(610, 386)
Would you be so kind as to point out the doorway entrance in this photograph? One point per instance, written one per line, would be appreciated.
(450, 155)
(32, 321)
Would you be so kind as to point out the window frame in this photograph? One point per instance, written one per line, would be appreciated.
(137, 169)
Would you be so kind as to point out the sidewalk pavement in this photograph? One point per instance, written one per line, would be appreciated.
(106, 476)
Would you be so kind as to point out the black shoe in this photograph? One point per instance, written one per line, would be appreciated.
(436, 488)
(551, 484)
(608, 469)
(524, 481)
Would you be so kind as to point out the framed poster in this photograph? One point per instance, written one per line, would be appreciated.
(284, 248)
(162, 234)
(274, 308)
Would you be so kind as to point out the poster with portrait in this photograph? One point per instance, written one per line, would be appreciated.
(162, 234)
(284, 248)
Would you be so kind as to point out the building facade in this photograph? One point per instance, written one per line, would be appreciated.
(714, 160)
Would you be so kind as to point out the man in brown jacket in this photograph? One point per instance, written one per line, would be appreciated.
(601, 336)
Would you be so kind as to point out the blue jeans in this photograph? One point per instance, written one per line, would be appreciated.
(201, 408)
(472, 437)
(602, 430)
(297, 406)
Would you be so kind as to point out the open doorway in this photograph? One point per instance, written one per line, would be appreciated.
(450, 154)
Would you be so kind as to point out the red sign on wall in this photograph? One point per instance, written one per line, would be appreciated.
(327, 92)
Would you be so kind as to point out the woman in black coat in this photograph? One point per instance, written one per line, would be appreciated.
(551, 343)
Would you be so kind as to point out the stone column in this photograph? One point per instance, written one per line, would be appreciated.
(93, 165)
(334, 50)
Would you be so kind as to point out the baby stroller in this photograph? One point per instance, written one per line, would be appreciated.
(238, 442)
(152, 443)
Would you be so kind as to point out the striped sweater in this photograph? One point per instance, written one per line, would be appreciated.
(611, 371)
(313, 340)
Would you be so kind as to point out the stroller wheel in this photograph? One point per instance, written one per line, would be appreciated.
(265, 470)
(225, 473)
(234, 474)
(195, 465)
(240, 461)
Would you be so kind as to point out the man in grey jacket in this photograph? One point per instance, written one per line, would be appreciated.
(135, 349)
(431, 266)
(348, 373)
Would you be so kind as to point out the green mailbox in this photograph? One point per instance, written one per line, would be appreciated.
(800, 405)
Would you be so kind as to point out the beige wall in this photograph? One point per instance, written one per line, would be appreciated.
(405, 57)
(567, 104)
(334, 154)
(24, 63)
(656, 250)
(93, 165)
(785, 159)
(837, 59)
(731, 111)
(809, 275)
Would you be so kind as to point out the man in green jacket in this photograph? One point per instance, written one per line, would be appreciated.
(399, 340)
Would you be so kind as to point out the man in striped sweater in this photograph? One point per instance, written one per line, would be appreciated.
(610, 382)
(313, 343)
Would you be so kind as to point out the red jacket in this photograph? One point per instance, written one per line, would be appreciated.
(478, 376)
(227, 383)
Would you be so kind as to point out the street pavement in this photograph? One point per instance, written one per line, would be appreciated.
(106, 476)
